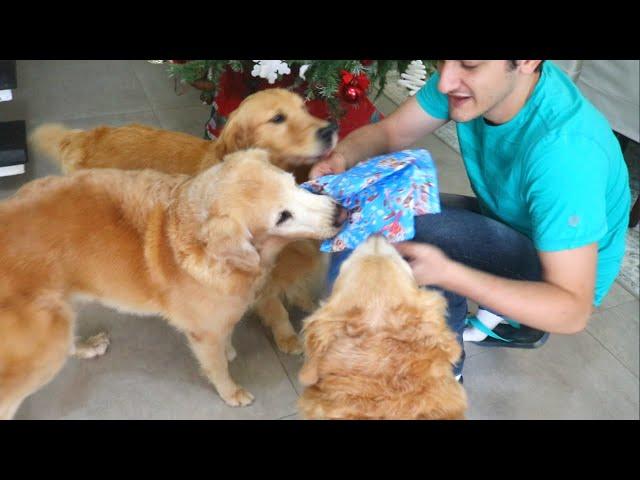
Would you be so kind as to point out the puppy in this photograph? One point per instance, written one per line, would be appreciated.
(380, 347)
(192, 249)
(273, 119)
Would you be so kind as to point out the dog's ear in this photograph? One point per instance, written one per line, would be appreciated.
(433, 327)
(234, 136)
(229, 242)
(319, 332)
(222, 243)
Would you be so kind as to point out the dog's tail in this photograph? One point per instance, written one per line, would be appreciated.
(56, 142)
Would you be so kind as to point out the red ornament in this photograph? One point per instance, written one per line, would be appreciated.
(366, 63)
(353, 86)
(361, 81)
(351, 94)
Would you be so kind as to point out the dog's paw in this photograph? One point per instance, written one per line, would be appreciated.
(290, 344)
(92, 346)
(239, 398)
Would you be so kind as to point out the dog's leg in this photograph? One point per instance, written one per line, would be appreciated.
(305, 303)
(91, 347)
(210, 350)
(229, 350)
(273, 315)
(33, 355)
(8, 410)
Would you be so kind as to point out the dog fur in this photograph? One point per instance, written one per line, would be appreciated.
(294, 145)
(194, 249)
(380, 348)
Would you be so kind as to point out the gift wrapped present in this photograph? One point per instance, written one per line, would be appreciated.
(383, 195)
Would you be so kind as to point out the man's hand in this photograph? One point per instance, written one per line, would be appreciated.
(334, 163)
(429, 263)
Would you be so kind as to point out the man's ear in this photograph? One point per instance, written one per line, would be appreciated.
(528, 66)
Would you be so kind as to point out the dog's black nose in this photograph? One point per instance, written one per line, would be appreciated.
(340, 215)
(326, 133)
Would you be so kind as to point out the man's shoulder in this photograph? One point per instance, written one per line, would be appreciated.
(561, 110)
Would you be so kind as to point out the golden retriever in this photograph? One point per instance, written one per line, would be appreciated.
(273, 119)
(380, 348)
(194, 249)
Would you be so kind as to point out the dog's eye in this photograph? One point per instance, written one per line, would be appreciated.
(279, 118)
(284, 216)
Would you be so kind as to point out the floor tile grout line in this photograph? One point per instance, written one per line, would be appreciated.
(610, 353)
(287, 416)
(602, 310)
(274, 347)
(147, 96)
(286, 372)
(37, 120)
(628, 290)
(151, 103)
(588, 332)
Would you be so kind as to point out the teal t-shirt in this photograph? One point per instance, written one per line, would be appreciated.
(555, 172)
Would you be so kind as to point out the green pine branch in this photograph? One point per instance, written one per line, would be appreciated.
(323, 78)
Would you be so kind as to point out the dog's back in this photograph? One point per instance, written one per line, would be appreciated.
(96, 216)
(130, 147)
(383, 377)
(62, 235)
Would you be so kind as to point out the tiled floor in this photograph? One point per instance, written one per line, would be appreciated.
(149, 372)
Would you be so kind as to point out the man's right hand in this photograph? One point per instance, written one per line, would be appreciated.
(334, 163)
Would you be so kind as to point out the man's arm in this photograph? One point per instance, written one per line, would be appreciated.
(399, 130)
(560, 303)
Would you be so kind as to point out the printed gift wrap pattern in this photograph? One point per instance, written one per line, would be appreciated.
(382, 195)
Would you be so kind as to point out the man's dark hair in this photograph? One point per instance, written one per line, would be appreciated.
(514, 64)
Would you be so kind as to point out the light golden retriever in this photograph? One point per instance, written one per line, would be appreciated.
(380, 347)
(273, 119)
(194, 249)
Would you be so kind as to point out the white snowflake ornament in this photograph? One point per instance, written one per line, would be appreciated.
(303, 70)
(270, 69)
(415, 76)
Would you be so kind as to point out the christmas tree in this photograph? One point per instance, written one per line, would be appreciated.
(329, 80)
(332, 88)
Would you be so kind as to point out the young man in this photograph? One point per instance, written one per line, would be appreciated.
(543, 240)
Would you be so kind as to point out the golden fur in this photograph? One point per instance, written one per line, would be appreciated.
(192, 249)
(293, 144)
(380, 347)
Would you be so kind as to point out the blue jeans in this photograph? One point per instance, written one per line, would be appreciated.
(468, 237)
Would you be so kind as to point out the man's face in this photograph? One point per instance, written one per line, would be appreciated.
(475, 87)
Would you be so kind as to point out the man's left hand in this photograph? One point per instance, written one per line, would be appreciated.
(429, 263)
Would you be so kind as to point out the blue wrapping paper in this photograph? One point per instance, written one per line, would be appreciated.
(383, 195)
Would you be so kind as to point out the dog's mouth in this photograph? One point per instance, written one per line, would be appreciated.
(340, 216)
(324, 153)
